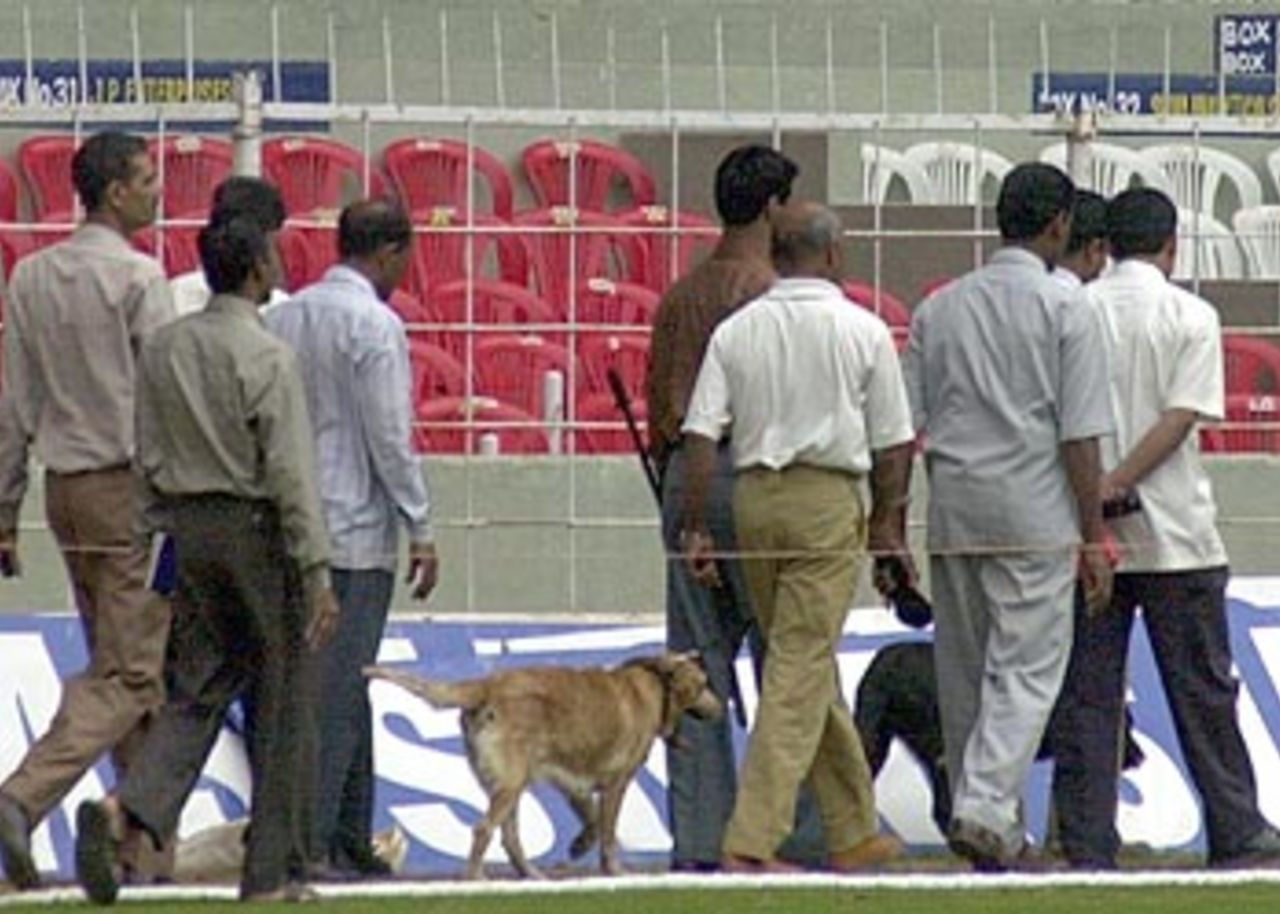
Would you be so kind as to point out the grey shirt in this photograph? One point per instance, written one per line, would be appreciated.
(221, 410)
(77, 315)
(1002, 367)
(355, 369)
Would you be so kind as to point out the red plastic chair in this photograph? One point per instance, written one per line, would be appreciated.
(1252, 365)
(305, 254)
(599, 165)
(891, 309)
(443, 427)
(8, 193)
(181, 253)
(45, 162)
(604, 301)
(695, 237)
(412, 310)
(554, 233)
(627, 354)
(428, 173)
(14, 246)
(435, 372)
(314, 173)
(491, 302)
(440, 250)
(514, 369)
(616, 439)
(193, 167)
(1244, 410)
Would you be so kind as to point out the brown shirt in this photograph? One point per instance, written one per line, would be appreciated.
(221, 409)
(689, 312)
(78, 314)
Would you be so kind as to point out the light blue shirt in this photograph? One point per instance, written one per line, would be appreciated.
(355, 369)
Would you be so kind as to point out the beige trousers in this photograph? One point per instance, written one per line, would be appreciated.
(802, 532)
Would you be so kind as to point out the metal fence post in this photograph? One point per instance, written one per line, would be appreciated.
(247, 133)
(1081, 133)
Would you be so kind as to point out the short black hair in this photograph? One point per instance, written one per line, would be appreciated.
(248, 198)
(748, 178)
(1032, 195)
(104, 157)
(1140, 221)
(366, 226)
(229, 250)
(1088, 220)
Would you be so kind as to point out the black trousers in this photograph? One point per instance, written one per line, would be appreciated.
(238, 629)
(1185, 615)
(343, 814)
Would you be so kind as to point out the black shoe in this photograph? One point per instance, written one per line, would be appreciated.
(96, 853)
(361, 863)
(1262, 851)
(983, 848)
(15, 845)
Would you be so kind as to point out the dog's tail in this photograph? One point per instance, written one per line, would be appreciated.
(466, 695)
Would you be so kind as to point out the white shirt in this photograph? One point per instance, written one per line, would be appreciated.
(1165, 349)
(1067, 278)
(804, 377)
(191, 293)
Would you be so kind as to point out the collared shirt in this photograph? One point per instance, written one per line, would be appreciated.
(1003, 366)
(355, 369)
(1067, 279)
(78, 314)
(805, 377)
(191, 293)
(221, 410)
(13, 465)
(1165, 349)
(689, 312)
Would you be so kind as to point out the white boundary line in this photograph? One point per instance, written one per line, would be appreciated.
(667, 882)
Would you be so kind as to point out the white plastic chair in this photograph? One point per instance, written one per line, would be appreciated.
(1258, 231)
(958, 171)
(881, 165)
(1112, 168)
(1273, 168)
(1196, 175)
(1219, 254)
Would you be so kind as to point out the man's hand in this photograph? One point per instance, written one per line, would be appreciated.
(423, 568)
(699, 556)
(1096, 576)
(322, 619)
(10, 564)
(886, 545)
(1111, 489)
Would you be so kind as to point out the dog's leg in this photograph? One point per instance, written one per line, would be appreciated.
(610, 804)
(502, 804)
(584, 804)
(515, 850)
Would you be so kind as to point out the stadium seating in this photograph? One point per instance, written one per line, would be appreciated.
(616, 439)
(1206, 248)
(607, 301)
(491, 302)
(8, 193)
(45, 163)
(178, 252)
(599, 169)
(566, 246)
(428, 173)
(1258, 230)
(515, 370)
(305, 254)
(882, 167)
(1111, 168)
(891, 310)
(627, 354)
(436, 373)
(441, 250)
(315, 173)
(1198, 175)
(958, 173)
(457, 425)
(1251, 365)
(1235, 435)
(652, 264)
(192, 167)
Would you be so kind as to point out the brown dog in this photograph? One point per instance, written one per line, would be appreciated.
(583, 730)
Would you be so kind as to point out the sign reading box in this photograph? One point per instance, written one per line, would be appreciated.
(1245, 44)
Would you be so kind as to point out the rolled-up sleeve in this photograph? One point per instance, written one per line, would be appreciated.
(385, 382)
(888, 415)
(710, 409)
(1084, 398)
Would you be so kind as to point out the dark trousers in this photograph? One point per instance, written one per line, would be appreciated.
(341, 822)
(701, 770)
(238, 628)
(1185, 615)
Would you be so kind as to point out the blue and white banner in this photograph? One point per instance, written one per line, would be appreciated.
(1146, 93)
(1245, 44)
(426, 787)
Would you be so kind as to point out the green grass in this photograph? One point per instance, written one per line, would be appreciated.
(1049, 900)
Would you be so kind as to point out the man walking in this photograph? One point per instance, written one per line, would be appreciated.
(78, 315)
(1007, 377)
(1165, 345)
(812, 389)
(355, 369)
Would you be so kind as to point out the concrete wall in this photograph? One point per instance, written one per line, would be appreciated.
(520, 554)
